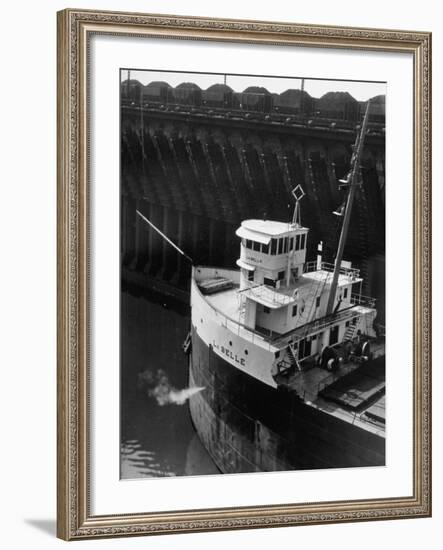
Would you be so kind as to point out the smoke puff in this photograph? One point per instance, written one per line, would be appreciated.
(157, 385)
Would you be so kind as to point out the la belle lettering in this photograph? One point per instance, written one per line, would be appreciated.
(229, 354)
(254, 260)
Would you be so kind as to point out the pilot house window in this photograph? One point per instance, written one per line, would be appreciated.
(294, 310)
(274, 247)
(297, 242)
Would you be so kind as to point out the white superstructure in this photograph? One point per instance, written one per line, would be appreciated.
(271, 314)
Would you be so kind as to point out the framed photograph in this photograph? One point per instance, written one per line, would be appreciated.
(243, 274)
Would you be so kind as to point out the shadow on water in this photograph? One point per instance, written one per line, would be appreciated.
(157, 440)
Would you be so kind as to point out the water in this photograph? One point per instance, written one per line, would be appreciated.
(157, 435)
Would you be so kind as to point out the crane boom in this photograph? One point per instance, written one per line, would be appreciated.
(352, 182)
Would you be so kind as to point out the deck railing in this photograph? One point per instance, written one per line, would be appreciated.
(234, 325)
(351, 272)
(359, 300)
(316, 325)
(281, 340)
(267, 292)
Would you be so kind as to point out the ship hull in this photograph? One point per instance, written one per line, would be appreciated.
(248, 426)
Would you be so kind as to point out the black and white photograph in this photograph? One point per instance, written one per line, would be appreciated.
(252, 273)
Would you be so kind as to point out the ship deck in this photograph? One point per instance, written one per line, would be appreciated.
(358, 400)
(227, 301)
(355, 392)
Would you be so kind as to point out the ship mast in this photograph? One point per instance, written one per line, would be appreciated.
(351, 181)
(298, 194)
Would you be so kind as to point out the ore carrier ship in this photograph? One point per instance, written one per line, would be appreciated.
(292, 368)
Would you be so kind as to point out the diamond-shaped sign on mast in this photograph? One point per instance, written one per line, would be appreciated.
(298, 194)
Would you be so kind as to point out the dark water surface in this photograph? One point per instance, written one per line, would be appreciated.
(156, 441)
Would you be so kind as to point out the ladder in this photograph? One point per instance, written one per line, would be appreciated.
(349, 334)
(293, 359)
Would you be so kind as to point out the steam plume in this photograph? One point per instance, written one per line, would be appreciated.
(157, 385)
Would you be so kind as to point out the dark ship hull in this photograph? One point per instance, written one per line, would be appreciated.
(249, 426)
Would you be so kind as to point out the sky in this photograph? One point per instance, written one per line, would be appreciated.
(316, 88)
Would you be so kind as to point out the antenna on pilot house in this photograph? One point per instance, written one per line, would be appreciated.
(298, 194)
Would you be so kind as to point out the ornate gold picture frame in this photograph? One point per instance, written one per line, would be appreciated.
(76, 517)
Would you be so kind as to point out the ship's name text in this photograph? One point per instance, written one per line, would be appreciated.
(228, 353)
(254, 260)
